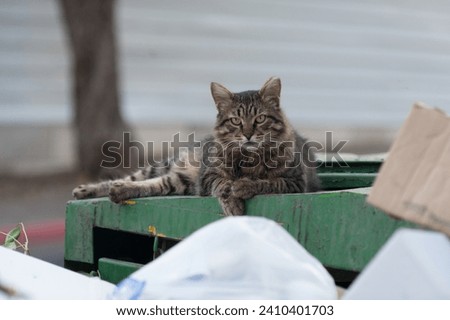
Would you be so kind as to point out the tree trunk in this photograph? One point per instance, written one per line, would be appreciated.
(90, 28)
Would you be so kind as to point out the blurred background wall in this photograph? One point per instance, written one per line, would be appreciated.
(350, 67)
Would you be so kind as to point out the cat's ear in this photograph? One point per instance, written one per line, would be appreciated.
(270, 92)
(221, 95)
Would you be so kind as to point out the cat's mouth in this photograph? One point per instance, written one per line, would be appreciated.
(250, 145)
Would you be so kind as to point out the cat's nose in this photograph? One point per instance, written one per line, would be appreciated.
(248, 136)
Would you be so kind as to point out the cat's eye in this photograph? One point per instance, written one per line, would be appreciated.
(235, 121)
(261, 118)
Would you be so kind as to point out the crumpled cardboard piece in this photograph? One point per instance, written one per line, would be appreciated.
(414, 181)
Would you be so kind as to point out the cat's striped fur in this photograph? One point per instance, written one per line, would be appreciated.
(255, 151)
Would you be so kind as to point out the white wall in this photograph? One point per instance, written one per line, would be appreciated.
(344, 64)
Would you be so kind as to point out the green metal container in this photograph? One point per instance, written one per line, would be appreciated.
(337, 226)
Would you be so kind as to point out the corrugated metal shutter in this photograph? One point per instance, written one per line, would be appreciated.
(342, 63)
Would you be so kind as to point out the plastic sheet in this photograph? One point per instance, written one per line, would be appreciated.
(233, 258)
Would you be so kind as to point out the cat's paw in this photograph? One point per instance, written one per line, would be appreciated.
(223, 190)
(243, 188)
(121, 191)
(84, 191)
(232, 206)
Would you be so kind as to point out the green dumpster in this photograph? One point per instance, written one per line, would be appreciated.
(336, 226)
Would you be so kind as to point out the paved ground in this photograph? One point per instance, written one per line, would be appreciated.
(38, 202)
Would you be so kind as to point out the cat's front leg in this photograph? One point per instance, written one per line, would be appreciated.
(92, 190)
(222, 188)
(123, 190)
(160, 186)
(244, 188)
(232, 206)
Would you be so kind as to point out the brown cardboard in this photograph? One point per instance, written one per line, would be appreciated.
(414, 181)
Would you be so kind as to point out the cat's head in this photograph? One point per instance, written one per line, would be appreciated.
(248, 117)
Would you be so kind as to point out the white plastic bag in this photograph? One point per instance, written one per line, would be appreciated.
(233, 258)
(31, 278)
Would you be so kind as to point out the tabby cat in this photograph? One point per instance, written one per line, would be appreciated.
(254, 150)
